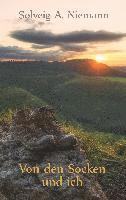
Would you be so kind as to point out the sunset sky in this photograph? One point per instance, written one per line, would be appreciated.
(67, 38)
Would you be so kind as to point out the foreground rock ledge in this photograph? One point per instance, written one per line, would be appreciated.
(35, 137)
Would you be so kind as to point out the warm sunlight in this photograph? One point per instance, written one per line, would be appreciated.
(100, 58)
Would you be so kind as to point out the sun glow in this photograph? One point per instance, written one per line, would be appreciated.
(100, 58)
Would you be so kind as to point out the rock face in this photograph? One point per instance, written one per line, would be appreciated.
(36, 139)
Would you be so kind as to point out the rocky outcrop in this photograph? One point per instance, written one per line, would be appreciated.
(36, 139)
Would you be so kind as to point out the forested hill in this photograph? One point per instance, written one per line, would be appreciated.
(83, 66)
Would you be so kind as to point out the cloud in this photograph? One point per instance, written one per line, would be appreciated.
(33, 23)
(112, 51)
(65, 52)
(73, 47)
(67, 45)
(14, 52)
(11, 49)
(36, 46)
(75, 37)
(62, 46)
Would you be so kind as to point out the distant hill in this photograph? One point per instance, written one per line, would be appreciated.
(121, 68)
(93, 68)
(87, 67)
(73, 88)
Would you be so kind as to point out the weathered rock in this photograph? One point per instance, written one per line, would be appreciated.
(67, 142)
(23, 117)
(43, 117)
(34, 132)
(39, 118)
(2, 197)
(46, 143)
